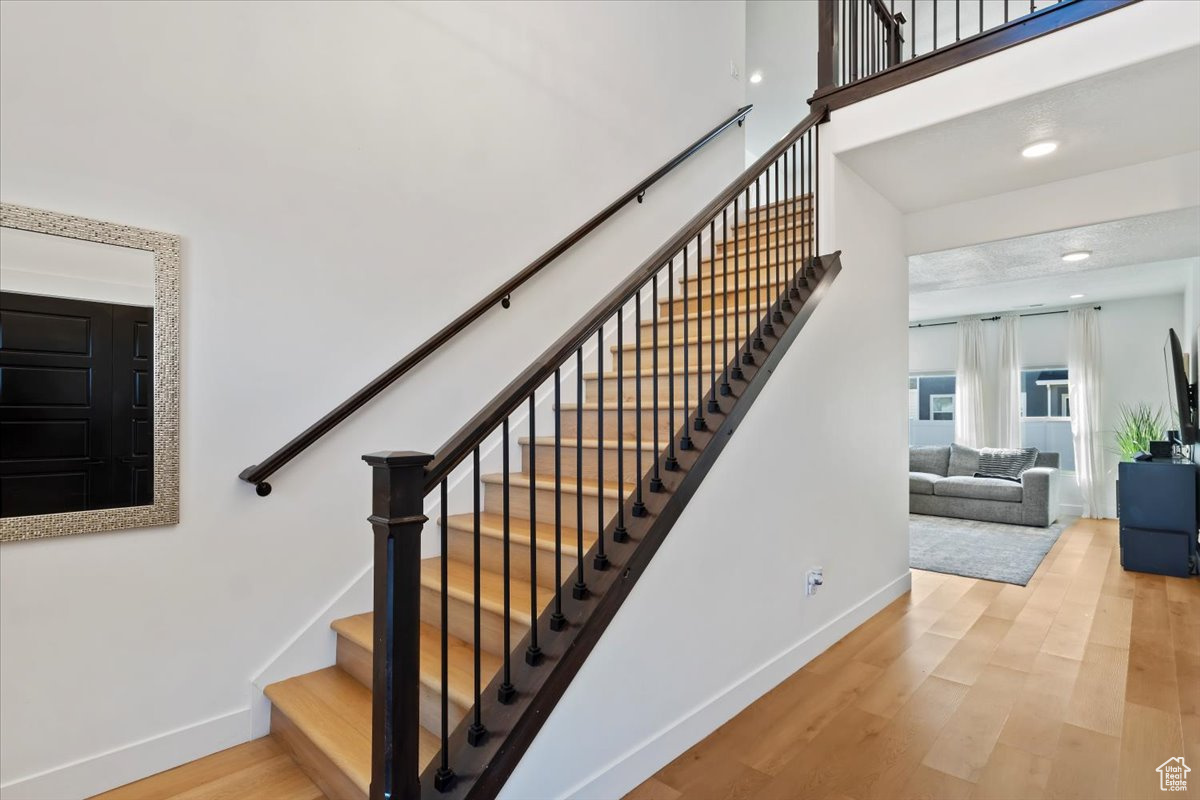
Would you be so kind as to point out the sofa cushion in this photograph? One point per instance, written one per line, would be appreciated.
(930, 459)
(922, 482)
(1047, 460)
(998, 462)
(978, 488)
(964, 461)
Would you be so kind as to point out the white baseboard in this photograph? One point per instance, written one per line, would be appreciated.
(105, 771)
(623, 774)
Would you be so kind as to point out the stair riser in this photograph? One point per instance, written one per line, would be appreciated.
(665, 330)
(767, 274)
(519, 505)
(324, 773)
(750, 242)
(491, 625)
(783, 211)
(629, 385)
(545, 461)
(356, 661)
(491, 555)
(591, 426)
(720, 301)
(664, 353)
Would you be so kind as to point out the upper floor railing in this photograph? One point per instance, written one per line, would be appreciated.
(257, 474)
(867, 47)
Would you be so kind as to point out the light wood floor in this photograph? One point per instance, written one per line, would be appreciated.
(1076, 686)
(257, 770)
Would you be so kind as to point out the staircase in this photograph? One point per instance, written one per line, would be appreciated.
(713, 316)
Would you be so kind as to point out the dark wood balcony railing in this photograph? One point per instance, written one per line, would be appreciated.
(867, 47)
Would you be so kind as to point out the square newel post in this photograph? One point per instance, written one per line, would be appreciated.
(827, 43)
(397, 517)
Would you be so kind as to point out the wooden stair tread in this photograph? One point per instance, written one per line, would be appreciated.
(611, 405)
(691, 340)
(333, 710)
(460, 585)
(460, 671)
(570, 485)
(492, 527)
(728, 311)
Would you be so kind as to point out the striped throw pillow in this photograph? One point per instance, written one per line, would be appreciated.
(995, 462)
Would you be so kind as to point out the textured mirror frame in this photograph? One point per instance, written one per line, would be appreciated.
(165, 247)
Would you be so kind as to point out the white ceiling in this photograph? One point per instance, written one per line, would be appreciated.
(1101, 123)
(1124, 242)
(1133, 257)
(1054, 291)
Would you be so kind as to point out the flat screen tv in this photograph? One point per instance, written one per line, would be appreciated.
(1182, 392)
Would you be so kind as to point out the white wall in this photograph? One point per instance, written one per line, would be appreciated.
(1132, 334)
(346, 178)
(720, 616)
(781, 42)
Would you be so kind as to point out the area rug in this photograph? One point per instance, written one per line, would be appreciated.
(989, 550)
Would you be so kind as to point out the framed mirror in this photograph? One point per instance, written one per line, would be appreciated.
(89, 375)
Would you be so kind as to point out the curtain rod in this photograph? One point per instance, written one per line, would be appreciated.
(993, 319)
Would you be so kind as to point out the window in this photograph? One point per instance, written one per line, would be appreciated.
(1044, 394)
(931, 397)
(941, 406)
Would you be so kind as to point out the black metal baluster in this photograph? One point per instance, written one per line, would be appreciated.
(580, 589)
(798, 227)
(758, 247)
(444, 777)
(815, 134)
(557, 620)
(713, 406)
(935, 27)
(957, 20)
(600, 563)
(777, 315)
(789, 243)
(748, 355)
(685, 442)
(699, 422)
(620, 533)
(735, 371)
(639, 507)
(1005, 10)
(912, 29)
(726, 389)
(533, 653)
(507, 691)
(981, 16)
(671, 464)
(656, 484)
(477, 732)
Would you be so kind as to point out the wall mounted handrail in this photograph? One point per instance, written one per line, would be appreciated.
(257, 474)
(460, 445)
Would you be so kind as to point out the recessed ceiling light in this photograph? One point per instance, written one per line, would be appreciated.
(1079, 255)
(756, 76)
(1076, 296)
(1039, 149)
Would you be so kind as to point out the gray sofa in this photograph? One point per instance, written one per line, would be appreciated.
(946, 487)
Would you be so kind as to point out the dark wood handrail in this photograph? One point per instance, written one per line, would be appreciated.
(518, 391)
(258, 473)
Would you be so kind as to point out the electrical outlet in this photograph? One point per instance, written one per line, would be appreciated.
(816, 579)
(734, 72)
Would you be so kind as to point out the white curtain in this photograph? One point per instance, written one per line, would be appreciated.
(1083, 390)
(1008, 384)
(969, 419)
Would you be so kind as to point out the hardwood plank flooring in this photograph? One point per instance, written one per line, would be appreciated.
(1076, 686)
(257, 770)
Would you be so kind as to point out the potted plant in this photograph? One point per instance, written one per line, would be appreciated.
(1138, 425)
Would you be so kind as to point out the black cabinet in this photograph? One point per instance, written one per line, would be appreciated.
(1159, 516)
